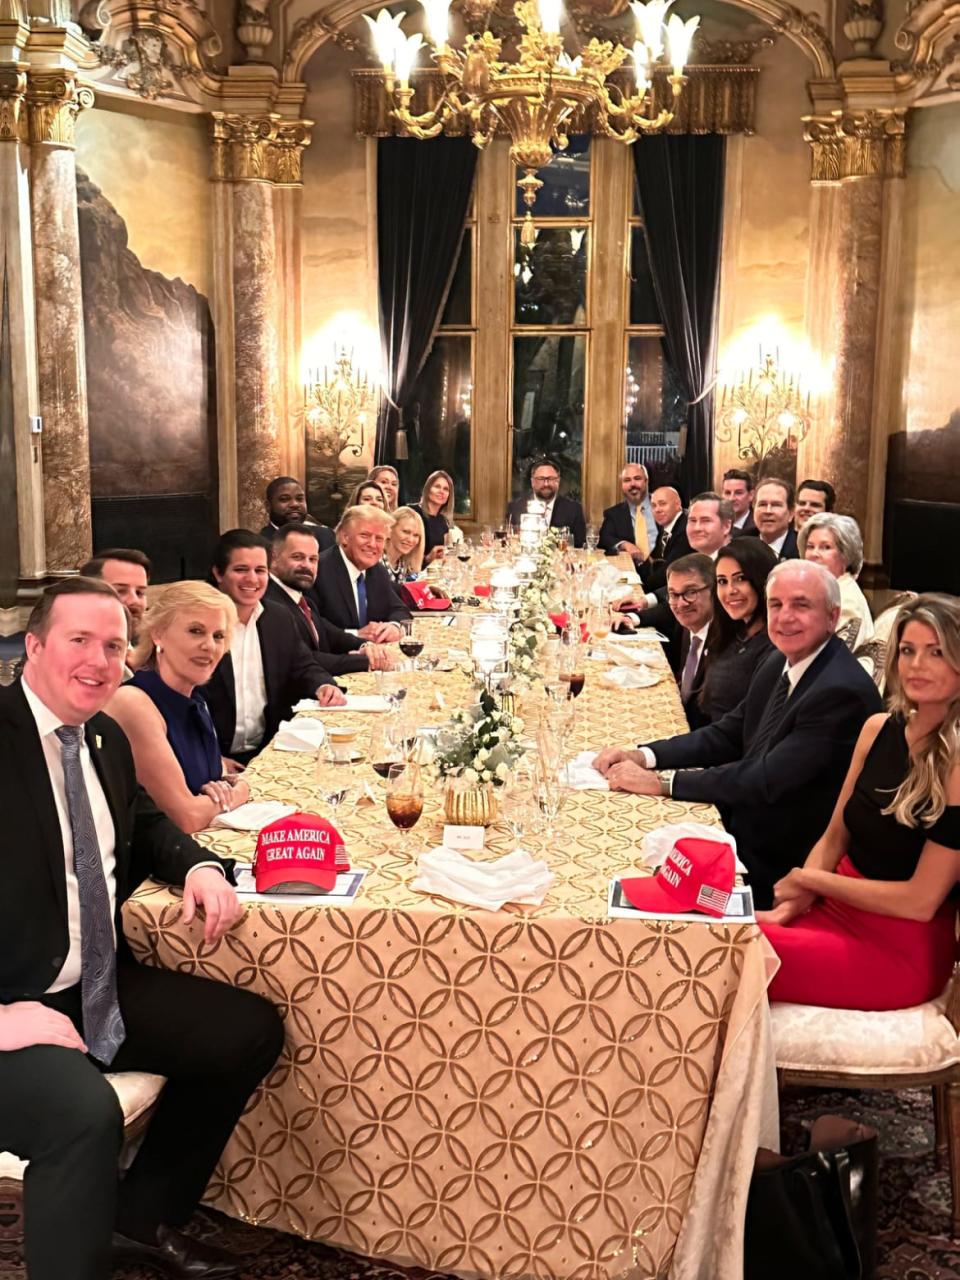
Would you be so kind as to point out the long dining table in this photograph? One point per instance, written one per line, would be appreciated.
(533, 1092)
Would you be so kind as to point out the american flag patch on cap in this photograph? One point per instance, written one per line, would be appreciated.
(712, 899)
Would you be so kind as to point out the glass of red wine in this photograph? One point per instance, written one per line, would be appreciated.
(404, 799)
(411, 644)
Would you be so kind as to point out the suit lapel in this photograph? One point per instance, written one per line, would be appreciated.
(266, 655)
(345, 587)
(112, 788)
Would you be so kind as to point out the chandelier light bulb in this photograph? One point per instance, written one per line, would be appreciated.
(551, 12)
(641, 67)
(406, 56)
(680, 38)
(437, 14)
(650, 21)
(386, 36)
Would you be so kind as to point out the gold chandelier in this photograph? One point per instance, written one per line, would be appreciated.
(535, 96)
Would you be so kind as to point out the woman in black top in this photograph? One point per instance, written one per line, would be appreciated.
(435, 509)
(737, 641)
(867, 922)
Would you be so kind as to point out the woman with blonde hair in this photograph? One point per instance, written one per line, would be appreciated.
(868, 921)
(435, 509)
(185, 632)
(403, 554)
(388, 478)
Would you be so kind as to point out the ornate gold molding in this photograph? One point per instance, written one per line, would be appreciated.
(13, 85)
(54, 100)
(717, 99)
(861, 144)
(264, 148)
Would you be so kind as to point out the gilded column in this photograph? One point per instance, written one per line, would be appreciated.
(856, 155)
(250, 156)
(54, 99)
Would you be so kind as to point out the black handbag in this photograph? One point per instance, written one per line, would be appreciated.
(815, 1215)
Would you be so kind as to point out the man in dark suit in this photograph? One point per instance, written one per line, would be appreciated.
(737, 489)
(776, 763)
(630, 525)
(671, 542)
(562, 513)
(294, 555)
(268, 668)
(79, 836)
(773, 512)
(813, 498)
(690, 582)
(287, 504)
(353, 588)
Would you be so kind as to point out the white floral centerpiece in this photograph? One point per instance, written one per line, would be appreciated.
(533, 623)
(486, 743)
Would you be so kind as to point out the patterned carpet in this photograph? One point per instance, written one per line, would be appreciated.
(914, 1243)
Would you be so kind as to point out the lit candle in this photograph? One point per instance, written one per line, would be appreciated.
(550, 14)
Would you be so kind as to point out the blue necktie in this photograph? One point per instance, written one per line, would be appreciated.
(103, 1028)
(361, 601)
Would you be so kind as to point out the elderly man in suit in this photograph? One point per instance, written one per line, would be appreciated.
(79, 836)
(773, 512)
(630, 525)
(353, 588)
(775, 764)
(268, 668)
(294, 555)
(562, 513)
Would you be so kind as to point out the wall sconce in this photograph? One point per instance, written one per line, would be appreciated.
(338, 403)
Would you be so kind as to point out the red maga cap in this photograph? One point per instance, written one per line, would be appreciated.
(299, 853)
(696, 875)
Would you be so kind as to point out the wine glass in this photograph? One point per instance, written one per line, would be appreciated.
(572, 663)
(404, 799)
(486, 536)
(519, 810)
(411, 642)
(548, 789)
(593, 537)
(599, 623)
(385, 750)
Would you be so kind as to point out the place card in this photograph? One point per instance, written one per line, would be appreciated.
(469, 838)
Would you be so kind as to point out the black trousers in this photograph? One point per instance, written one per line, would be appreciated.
(214, 1044)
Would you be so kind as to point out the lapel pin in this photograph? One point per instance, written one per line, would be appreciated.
(98, 741)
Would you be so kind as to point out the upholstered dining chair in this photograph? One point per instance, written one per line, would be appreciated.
(904, 1049)
(138, 1092)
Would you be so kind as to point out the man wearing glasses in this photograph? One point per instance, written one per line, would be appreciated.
(690, 597)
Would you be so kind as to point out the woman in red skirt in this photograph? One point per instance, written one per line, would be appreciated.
(868, 922)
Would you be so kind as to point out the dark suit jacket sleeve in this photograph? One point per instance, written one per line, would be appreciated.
(715, 744)
(820, 742)
(578, 524)
(609, 535)
(161, 851)
(389, 607)
(305, 672)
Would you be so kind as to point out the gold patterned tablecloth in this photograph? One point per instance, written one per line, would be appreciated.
(538, 1092)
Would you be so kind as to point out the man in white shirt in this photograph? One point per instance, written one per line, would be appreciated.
(630, 525)
(690, 597)
(81, 835)
(775, 763)
(269, 668)
(773, 512)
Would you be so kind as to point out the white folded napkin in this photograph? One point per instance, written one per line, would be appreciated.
(303, 734)
(254, 815)
(630, 677)
(580, 775)
(621, 657)
(354, 702)
(516, 877)
(657, 844)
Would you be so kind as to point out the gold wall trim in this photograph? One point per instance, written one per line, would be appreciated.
(263, 148)
(861, 144)
(719, 98)
(54, 100)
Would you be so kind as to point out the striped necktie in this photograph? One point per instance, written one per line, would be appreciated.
(771, 717)
(103, 1027)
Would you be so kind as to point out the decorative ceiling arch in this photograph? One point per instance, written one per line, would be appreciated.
(930, 39)
(310, 32)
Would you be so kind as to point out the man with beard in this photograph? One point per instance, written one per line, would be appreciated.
(630, 525)
(287, 504)
(127, 570)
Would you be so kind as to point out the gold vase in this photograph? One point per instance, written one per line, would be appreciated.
(469, 806)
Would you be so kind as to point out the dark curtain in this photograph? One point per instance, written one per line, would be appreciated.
(680, 187)
(423, 194)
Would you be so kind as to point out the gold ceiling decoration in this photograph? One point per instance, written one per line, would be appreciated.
(535, 96)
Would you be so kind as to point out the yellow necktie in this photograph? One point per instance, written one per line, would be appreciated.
(640, 535)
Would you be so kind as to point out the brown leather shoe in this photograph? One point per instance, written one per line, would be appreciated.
(178, 1256)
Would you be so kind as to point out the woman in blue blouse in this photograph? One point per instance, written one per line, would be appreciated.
(185, 633)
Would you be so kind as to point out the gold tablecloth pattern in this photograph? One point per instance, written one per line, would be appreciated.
(512, 1094)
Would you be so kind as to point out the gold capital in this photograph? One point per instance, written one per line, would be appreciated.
(13, 86)
(264, 148)
(857, 144)
(54, 100)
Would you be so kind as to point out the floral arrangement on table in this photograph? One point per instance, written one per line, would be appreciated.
(533, 624)
(486, 743)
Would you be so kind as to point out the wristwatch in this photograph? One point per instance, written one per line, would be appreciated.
(666, 781)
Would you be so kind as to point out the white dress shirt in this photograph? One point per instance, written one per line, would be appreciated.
(295, 595)
(777, 545)
(249, 683)
(47, 724)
